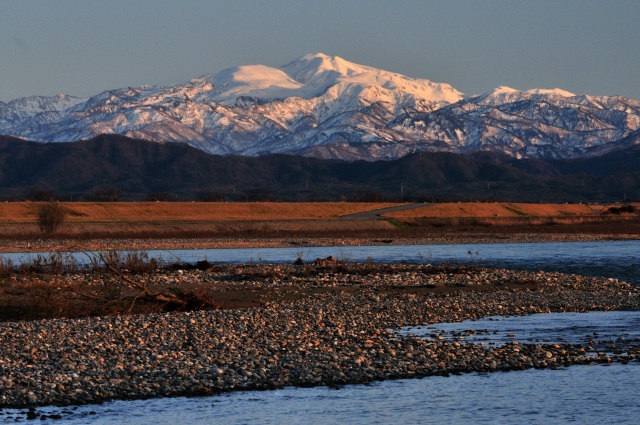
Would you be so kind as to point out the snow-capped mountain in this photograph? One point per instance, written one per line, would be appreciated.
(534, 123)
(325, 106)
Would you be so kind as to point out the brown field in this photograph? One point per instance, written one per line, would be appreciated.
(87, 212)
(499, 218)
(106, 212)
(471, 209)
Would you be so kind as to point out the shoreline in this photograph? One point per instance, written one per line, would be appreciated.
(334, 333)
(147, 244)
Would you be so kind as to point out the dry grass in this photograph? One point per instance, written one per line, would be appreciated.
(477, 210)
(158, 225)
(105, 212)
(519, 215)
(88, 212)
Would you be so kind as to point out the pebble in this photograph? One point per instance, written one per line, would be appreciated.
(333, 338)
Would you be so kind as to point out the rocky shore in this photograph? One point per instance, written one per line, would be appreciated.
(339, 332)
(104, 244)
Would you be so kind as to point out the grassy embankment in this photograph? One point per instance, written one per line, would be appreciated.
(515, 214)
(188, 220)
(89, 220)
(93, 212)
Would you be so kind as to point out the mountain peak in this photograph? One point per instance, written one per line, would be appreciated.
(315, 75)
(551, 92)
(312, 56)
(318, 66)
(323, 71)
(37, 104)
(504, 90)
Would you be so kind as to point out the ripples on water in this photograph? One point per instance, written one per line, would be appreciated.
(579, 394)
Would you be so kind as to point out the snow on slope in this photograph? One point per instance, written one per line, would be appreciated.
(254, 81)
(538, 123)
(551, 92)
(328, 78)
(323, 71)
(28, 107)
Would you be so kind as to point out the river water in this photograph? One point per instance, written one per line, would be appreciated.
(616, 259)
(602, 330)
(579, 394)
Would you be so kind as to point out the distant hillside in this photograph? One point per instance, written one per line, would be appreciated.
(111, 167)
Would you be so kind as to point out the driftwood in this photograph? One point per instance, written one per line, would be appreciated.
(329, 261)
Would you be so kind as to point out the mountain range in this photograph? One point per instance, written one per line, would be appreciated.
(326, 107)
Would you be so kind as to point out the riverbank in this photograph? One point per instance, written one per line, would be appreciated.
(348, 238)
(311, 325)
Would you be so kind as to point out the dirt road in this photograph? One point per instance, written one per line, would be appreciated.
(370, 215)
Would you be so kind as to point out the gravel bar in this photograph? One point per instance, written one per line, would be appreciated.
(333, 338)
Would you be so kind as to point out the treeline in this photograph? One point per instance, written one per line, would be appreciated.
(113, 168)
(114, 194)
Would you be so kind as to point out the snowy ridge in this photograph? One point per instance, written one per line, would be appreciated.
(325, 106)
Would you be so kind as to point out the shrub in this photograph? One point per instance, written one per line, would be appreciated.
(50, 217)
(136, 262)
(622, 209)
(6, 267)
(53, 263)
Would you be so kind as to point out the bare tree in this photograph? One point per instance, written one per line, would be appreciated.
(50, 216)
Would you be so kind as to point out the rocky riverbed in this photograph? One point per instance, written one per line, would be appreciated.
(329, 325)
(498, 235)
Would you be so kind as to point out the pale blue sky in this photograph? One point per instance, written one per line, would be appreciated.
(82, 47)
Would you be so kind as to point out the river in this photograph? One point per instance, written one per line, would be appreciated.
(615, 259)
(578, 394)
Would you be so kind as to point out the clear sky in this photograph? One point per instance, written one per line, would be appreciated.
(82, 47)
